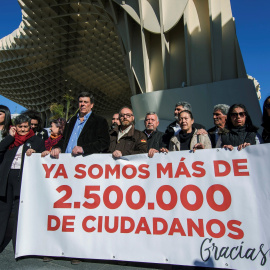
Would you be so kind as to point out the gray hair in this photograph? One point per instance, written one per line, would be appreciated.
(224, 108)
(22, 118)
(151, 113)
(185, 105)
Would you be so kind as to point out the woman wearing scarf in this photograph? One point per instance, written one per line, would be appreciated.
(20, 141)
(187, 138)
(57, 129)
(241, 132)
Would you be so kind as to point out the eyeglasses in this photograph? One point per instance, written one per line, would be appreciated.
(267, 106)
(115, 118)
(241, 114)
(127, 115)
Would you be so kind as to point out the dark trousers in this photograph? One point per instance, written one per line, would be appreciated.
(9, 206)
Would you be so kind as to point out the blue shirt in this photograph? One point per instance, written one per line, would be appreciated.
(76, 132)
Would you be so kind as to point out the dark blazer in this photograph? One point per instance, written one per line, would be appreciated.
(155, 140)
(94, 137)
(34, 142)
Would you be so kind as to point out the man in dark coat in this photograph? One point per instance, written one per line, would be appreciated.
(154, 137)
(125, 139)
(219, 116)
(86, 133)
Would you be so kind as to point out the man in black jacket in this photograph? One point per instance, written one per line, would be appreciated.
(154, 137)
(86, 133)
(219, 116)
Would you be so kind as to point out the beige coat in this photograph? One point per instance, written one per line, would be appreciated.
(203, 138)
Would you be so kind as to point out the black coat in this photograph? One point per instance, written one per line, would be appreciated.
(237, 137)
(155, 140)
(43, 134)
(34, 142)
(94, 137)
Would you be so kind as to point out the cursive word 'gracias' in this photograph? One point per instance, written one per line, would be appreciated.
(233, 253)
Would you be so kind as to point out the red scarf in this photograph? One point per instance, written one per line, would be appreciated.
(19, 140)
(52, 141)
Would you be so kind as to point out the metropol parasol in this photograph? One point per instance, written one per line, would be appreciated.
(145, 53)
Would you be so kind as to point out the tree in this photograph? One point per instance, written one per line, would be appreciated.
(57, 110)
(68, 98)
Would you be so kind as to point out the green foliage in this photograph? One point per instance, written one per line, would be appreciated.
(57, 110)
(68, 98)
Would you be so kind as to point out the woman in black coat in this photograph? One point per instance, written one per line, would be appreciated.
(5, 123)
(266, 120)
(241, 132)
(20, 141)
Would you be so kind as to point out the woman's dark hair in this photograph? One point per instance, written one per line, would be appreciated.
(249, 126)
(36, 116)
(60, 123)
(186, 111)
(22, 118)
(265, 114)
(7, 122)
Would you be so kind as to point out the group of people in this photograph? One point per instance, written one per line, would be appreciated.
(87, 133)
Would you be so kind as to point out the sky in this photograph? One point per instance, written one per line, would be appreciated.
(252, 27)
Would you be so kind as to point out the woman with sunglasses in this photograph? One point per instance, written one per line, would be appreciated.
(241, 132)
(266, 120)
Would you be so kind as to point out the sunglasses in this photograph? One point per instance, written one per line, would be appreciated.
(267, 106)
(241, 114)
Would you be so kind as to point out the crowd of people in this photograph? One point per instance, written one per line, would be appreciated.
(87, 133)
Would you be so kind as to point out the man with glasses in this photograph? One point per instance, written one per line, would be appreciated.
(219, 116)
(155, 139)
(125, 139)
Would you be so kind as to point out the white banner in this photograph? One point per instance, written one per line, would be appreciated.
(208, 208)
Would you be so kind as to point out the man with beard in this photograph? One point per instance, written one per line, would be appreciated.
(154, 137)
(125, 139)
(115, 121)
